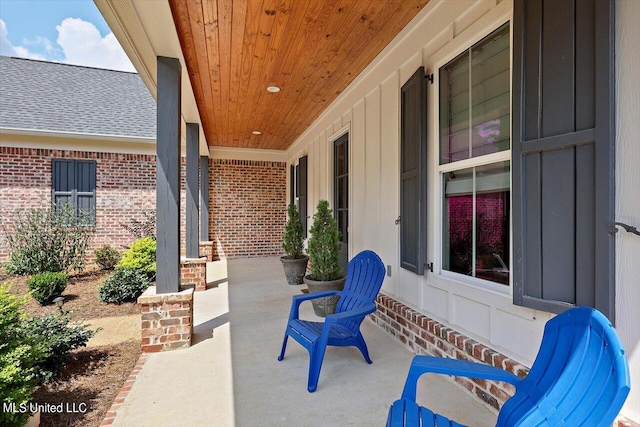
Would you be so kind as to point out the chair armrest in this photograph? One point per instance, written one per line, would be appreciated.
(346, 315)
(461, 368)
(299, 299)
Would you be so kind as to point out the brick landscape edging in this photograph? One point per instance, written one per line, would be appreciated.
(112, 413)
(423, 335)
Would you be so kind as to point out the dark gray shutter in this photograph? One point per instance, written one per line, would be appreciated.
(413, 181)
(63, 182)
(74, 182)
(563, 154)
(301, 190)
(86, 187)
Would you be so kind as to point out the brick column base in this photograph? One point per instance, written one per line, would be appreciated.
(167, 320)
(193, 273)
(208, 250)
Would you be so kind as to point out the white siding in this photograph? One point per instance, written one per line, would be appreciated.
(628, 192)
(370, 106)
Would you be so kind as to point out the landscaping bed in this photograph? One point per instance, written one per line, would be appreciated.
(93, 375)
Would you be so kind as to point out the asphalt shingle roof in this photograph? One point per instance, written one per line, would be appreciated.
(68, 98)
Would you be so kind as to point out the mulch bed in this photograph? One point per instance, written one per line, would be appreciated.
(82, 297)
(92, 376)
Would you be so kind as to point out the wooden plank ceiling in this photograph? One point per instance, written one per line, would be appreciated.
(311, 49)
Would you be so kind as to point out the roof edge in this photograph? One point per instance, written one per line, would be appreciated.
(77, 135)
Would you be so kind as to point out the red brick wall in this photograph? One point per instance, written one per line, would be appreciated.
(125, 187)
(424, 335)
(248, 211)
(247, 198)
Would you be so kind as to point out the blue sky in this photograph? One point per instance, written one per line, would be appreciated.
(69, 31)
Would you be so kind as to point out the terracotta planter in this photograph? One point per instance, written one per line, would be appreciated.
(294, 269)
(325, 305)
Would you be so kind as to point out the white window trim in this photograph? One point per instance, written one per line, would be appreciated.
(476, 32)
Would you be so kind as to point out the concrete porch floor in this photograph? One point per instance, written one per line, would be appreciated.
(231, 377)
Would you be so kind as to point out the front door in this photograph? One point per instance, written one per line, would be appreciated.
(341, 194)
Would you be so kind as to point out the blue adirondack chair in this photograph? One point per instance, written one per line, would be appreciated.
(365, 274)
(579, 378)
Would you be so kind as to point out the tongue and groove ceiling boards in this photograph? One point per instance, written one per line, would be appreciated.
(310, 49)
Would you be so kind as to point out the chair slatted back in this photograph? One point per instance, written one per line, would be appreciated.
(365, 275)
(580, 376)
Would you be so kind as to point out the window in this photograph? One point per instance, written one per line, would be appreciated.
(74, 182)
(301, 191)
(475, 144)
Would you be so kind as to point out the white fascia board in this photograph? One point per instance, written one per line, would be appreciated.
(77, 135)
(145, 29)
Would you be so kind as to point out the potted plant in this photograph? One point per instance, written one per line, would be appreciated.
(295, 261)
(323, 249)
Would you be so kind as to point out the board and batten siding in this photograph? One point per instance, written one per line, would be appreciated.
(628, 192)
(369, 109)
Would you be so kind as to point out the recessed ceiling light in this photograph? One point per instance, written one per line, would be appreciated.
(256, 132)
(273, 89)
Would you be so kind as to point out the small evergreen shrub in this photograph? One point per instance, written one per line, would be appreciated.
(19, 354)
(140, 256)
(45, 287)
(293, 239)
(324, 245)
(52, 239)
(126, 284)
(107, 257)
(57, 337)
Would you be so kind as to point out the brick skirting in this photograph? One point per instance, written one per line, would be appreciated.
(625, 422)
(423, 335)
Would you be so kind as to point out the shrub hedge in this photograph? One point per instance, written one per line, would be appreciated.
(126, 284)
(19, 355)
(141, 256)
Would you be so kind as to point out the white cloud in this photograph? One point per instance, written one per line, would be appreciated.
(79, 42)
(43, 42)
(82, 44)
(7, 49)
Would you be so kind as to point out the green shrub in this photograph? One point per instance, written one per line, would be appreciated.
(293, 239)
(107, 257)
(57, 337)
(140, 256)
(45, 287)
(126, 284)
(324, 245)
(51, 239)
(19, 353)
